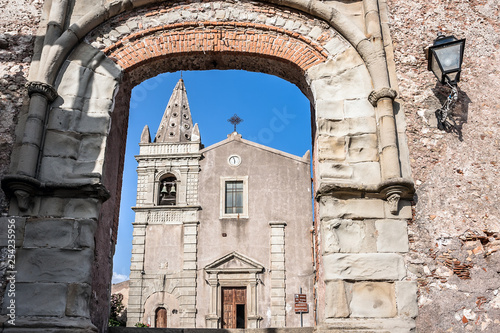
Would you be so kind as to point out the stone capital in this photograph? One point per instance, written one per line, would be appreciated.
(277, 224)
(23, 187)
(44, 89)
(376, 95)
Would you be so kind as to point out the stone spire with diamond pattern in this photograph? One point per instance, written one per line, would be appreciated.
(176, 124)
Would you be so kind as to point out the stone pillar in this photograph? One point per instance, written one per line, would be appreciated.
(278, 276)
(135, 306)
(187, 289)
(364, 270)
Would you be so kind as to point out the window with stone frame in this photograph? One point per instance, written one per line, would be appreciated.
(234, 197)
(168, 190)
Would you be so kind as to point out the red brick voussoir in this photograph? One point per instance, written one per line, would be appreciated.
(204, 37)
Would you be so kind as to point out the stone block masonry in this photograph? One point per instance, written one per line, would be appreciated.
(52, 268)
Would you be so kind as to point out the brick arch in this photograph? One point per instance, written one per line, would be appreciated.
(215, 34)
(98, 15)
(207, 37)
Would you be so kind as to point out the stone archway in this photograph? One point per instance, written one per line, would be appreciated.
(66, 170)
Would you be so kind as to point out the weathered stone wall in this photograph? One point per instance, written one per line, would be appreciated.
(18, 26)
(454, 235)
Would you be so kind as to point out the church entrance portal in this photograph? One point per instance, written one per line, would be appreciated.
(233, 307)
(161, 318)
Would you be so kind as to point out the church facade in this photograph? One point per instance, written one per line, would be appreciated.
(222, 234)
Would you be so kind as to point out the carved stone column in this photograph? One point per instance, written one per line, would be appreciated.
(41, 95)
(24, 184)
(393, 185)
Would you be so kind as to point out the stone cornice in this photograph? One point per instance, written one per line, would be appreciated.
(166, 208)
(400, 186)
(35, 87)
(24, 188)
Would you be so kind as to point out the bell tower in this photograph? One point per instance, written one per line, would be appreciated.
(167, 204)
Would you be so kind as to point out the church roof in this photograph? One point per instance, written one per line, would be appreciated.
(236, 137)
(176, 124)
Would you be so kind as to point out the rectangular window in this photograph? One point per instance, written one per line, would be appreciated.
(234, 197)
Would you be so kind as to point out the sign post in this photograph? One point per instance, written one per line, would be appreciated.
(301, 305)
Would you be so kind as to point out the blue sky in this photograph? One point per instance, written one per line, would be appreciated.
(275, 113)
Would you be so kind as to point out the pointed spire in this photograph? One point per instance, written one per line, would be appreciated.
(145, 136)
(176, 124)
(195, 135)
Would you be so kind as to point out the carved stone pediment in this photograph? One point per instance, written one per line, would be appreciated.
(234, 262)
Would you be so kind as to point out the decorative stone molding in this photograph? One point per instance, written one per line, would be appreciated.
(393, 201)
(35, 87)
(233, 270)
(394, 190)
(383, 190)
(24, 188)
(375, 96)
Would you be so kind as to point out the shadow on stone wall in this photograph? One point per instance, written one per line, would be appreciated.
(16, 51)
(459, 114)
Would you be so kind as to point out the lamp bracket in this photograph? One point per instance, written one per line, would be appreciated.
(442, 114)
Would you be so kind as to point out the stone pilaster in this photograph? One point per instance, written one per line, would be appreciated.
(135, 304)
(278, 276)
(187, 290)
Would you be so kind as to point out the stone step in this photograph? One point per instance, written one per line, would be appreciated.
(209, 330)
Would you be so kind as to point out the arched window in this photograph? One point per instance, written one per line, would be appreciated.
(168, 190)
(161, 318)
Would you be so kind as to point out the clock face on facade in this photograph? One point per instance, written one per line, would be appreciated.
(234, 160)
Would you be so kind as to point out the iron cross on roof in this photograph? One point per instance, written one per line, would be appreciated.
(235, 120)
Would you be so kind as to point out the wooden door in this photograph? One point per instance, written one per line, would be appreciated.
(234, 307)
(161, 318)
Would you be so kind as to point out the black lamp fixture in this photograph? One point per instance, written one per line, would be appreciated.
(445, 59)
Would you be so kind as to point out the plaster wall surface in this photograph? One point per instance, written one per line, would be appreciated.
(279, 190)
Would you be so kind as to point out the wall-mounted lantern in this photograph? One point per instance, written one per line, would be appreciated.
(445, 58)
